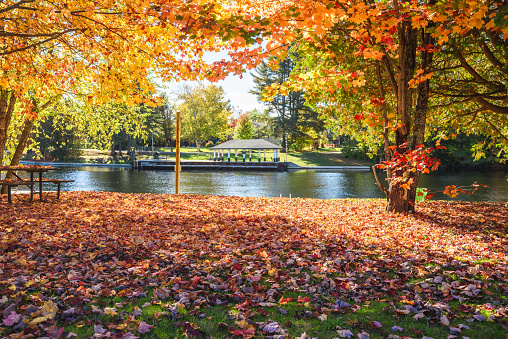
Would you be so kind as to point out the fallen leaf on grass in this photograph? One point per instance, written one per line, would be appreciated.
(246, 334)
(53, 332)
(345, 333)
(12, 319)
(444, 320)
(479, 317)
(284, 301)
(271, 327)
(144, 327)
(110, 311)
(193, 330)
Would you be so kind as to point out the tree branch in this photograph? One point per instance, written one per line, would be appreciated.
(467, 67)
(21, 49)
(378, 183)
(494, 108)
(492, 58)
(16, 6)
(495, 128)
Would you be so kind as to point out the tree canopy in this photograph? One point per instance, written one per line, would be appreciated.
(244, 128)
(388, 56)
(205, 113)
(410, 66)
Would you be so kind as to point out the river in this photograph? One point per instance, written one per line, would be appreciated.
(321, 184)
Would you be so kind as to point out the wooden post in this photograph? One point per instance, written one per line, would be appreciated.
(177, 162)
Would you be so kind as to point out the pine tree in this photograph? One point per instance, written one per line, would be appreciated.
(289, 110)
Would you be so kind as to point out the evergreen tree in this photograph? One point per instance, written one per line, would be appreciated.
(292, 117)
(167, 118)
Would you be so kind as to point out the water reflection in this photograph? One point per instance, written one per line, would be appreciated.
(301, 183)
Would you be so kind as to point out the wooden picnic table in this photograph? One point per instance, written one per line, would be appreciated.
(30, 183)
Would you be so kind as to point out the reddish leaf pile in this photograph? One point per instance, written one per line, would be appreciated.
(246, 253)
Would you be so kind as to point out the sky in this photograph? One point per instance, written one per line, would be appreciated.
(236, 89)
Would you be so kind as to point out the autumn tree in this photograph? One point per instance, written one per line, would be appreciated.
(400, 42)
(205, 113)
(114, 47)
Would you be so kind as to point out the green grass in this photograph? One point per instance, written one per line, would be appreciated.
(320, 157)
(296, 322)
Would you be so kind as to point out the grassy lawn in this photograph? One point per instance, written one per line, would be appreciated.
(96, 264)
(321, 157)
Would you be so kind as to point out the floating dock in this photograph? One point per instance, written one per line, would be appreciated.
(169, 165)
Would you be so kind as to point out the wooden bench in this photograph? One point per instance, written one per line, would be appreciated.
(16, 183)
(57, 182)
(31, 184)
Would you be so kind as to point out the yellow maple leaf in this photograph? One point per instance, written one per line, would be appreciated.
(110, 311)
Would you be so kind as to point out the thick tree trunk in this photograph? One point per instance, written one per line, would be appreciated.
(398, 197)
(198, 145)
(422, 105)
(23, 139)
(7, 102)
(112, 151)
(25, 133)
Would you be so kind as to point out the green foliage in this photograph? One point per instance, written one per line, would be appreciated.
(468, 150)
(352, 149)
(166, 118)
(291, 116)
(59, 135)
(263, 122)
(204, 113)
(470, 100)
(101, 124)
(244, 128)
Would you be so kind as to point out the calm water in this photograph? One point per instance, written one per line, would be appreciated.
(301, 183)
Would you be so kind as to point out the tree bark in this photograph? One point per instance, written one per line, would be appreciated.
(422, 105)
(398, 197)
(23, 139)
(7, 103)
(25, 134)
(112, 151)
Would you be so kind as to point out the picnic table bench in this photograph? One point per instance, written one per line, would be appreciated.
(57, 182)
(16, 183)
(30, 183)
